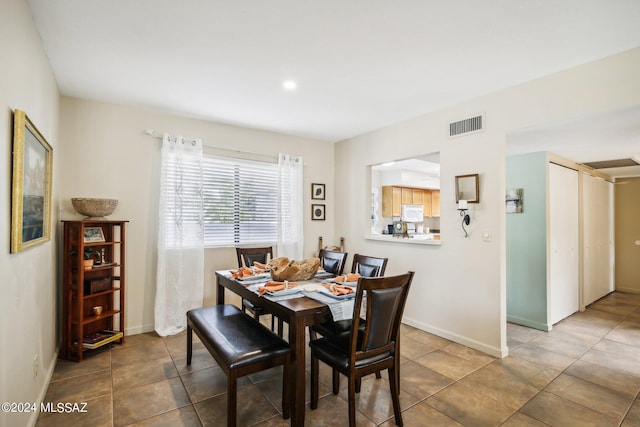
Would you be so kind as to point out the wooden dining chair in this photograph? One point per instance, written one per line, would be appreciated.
(332, 261)
(246, 258)
(367, 266)
(370, 349)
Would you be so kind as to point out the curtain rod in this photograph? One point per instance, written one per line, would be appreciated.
(152, 133)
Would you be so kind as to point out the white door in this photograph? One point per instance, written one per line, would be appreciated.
(598, 238)
(563, 264)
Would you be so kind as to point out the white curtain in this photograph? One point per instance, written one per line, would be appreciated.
(290, 233)
(180, 275)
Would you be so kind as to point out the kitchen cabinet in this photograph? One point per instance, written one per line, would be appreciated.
(427, 201)
(435, 203)
(93, 292)
(393, 197)
(411, 196)
(391, 201)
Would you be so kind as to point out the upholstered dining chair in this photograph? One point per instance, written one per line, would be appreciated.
(332, 261)
(370, 349)
(246, 258)
(367, 266)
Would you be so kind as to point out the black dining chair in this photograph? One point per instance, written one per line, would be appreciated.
(370, 349)
(246, 258)
(332, 261)
(367, 266)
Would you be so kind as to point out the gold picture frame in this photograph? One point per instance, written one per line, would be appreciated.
(31, 185)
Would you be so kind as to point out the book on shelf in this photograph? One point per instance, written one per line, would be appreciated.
(100, 338)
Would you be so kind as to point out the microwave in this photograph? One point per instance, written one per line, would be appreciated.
(413, 213)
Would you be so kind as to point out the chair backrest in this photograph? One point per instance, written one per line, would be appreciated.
(332, 261)
(385, 302)
(246, 256)
(368, 266)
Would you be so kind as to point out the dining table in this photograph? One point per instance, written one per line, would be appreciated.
(299, 311)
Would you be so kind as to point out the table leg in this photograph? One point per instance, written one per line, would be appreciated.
(297, 343)
(219, 292)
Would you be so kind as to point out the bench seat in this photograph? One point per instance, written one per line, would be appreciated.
(241, 346)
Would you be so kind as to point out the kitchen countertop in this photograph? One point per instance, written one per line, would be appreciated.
(410, 240)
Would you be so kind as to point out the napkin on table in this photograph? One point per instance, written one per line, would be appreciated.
(273, 286)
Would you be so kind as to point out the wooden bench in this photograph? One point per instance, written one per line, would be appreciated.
(241, 346)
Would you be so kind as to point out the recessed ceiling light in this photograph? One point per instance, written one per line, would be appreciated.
(289, 85)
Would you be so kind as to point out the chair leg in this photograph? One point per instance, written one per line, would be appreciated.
(395, 389)
(232, 390)
(336, 381)
(315, 368)
(352, 400)
(378, 375)
(280, 327)
(189, 344)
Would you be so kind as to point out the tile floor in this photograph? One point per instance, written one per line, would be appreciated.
(586, 372)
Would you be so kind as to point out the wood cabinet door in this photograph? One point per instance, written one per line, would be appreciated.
(417, 196)
(407, 195)
(391, 201)
(435, 203)
(427, 203)
(397, 201)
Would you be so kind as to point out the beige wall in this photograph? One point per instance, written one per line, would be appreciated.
(105, 153)
(27, 279)
(101, 150)
(459, 289)
(627, 234)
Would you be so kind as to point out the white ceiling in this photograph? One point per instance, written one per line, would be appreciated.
(359, 64)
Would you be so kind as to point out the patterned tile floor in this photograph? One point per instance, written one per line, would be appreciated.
(586, 372)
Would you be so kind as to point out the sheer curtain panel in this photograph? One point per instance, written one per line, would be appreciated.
(290, 232)
(180, 275)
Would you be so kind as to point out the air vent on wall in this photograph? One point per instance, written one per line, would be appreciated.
(606, 164)
(471, 124)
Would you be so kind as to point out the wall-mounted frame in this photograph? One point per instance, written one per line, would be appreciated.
(317, 191)
(317, 212)
(468, 188)
(93, 234)
(31, 185)
(514, 200)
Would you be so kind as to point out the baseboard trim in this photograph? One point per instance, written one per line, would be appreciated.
(529, 323)
(460, 339)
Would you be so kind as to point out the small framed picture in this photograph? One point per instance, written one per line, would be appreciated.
(317, 191)
(93, 234)
(317, 212)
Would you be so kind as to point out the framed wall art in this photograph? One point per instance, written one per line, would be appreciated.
(317, 212)
(514, 200)
(31, 185)
(93, 234)
(317, 191)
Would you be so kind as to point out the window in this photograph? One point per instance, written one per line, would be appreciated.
(240, 201)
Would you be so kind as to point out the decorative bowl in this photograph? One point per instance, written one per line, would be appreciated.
(94, 207)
